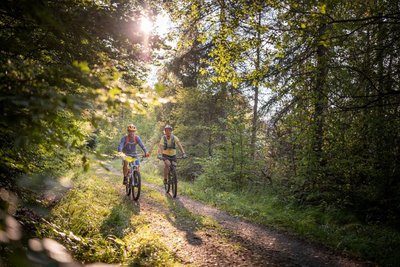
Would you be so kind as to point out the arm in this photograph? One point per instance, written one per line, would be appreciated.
(180, 147)
(139, 141)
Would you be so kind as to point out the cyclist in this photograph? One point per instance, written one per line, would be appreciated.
(128, 147)
(167, 149)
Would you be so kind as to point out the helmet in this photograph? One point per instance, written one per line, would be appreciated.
(168, 127)
(131, 128)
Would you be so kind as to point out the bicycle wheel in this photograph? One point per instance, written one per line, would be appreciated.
(128, 185)
(136, 185)
(174, 183)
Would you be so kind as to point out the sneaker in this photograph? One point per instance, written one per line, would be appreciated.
(125, 180)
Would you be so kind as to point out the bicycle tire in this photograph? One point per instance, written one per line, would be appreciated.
(174, 183)
(136, 186)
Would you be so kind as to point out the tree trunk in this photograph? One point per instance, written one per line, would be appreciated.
(320, 104)
(256, 92)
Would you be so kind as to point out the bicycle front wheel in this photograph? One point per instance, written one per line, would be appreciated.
(136, 185)
(174, 183)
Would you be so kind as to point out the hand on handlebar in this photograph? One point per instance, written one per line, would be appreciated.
(121, 154)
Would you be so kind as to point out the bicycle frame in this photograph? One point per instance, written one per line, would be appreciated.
(134, 184)
(172, 181)
(133, 166)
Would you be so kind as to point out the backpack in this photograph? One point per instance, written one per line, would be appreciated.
(166, 143)
(127, 139)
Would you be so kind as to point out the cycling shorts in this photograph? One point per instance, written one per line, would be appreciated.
(171, 158)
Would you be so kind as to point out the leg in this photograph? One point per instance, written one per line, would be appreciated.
(137, 162)
(125, 171)
(125, 168)
(167, 163)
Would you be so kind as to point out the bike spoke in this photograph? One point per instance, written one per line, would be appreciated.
(136, 186)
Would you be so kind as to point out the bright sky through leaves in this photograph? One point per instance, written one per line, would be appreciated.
(161, 26)
(146, 25)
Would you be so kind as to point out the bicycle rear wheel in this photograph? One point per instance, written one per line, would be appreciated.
(174, 183)
(136, 185)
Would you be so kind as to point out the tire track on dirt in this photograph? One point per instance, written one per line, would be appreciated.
(192, 242)
(268, 247)
(258, 245)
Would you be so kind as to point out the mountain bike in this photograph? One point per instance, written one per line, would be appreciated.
(172, 181)
(134, 183)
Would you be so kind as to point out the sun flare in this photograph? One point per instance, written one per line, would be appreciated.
(146, 25)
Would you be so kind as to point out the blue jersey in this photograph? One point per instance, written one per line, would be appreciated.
(129, 146)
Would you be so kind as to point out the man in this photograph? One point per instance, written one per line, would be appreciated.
(128, 147)
(167, 149)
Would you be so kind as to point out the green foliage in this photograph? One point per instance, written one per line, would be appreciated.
(94, 221)
(338, 229)
(328, 76)
(65, 69)
(197, 127)
(332, 95)
(147, 250)
(347, 168)
(213, 175)
(88, 211)
(112, 130)
(62, 64)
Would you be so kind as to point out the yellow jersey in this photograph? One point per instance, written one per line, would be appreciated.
(170, 151)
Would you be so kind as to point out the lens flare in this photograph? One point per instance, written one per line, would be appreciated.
(146, 25)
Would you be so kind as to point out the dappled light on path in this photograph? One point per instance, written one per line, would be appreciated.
(202, 235)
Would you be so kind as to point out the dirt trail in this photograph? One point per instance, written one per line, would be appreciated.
(232, 242)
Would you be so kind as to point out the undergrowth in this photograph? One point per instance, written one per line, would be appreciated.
(96, 223)
(337, 229)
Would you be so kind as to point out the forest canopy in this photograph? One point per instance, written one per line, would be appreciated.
(64, 64)
(297, 98)
(307, 92)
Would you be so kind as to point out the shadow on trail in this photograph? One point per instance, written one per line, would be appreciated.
(263, 245)
(182, 219)
(120, 217)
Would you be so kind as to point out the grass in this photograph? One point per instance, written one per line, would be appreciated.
(94, 221)
(337, 229)
(334, 228)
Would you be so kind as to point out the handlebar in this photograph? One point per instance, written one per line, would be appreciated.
(124, 156)
(178, 157)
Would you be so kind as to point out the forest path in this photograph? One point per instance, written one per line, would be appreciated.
(201, 235)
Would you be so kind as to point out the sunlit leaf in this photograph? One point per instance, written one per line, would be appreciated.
(159, 87)
(83, 66)
(322, 9)
(114, 91)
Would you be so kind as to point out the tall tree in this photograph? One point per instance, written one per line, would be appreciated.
(332, 71)
(61, 61)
